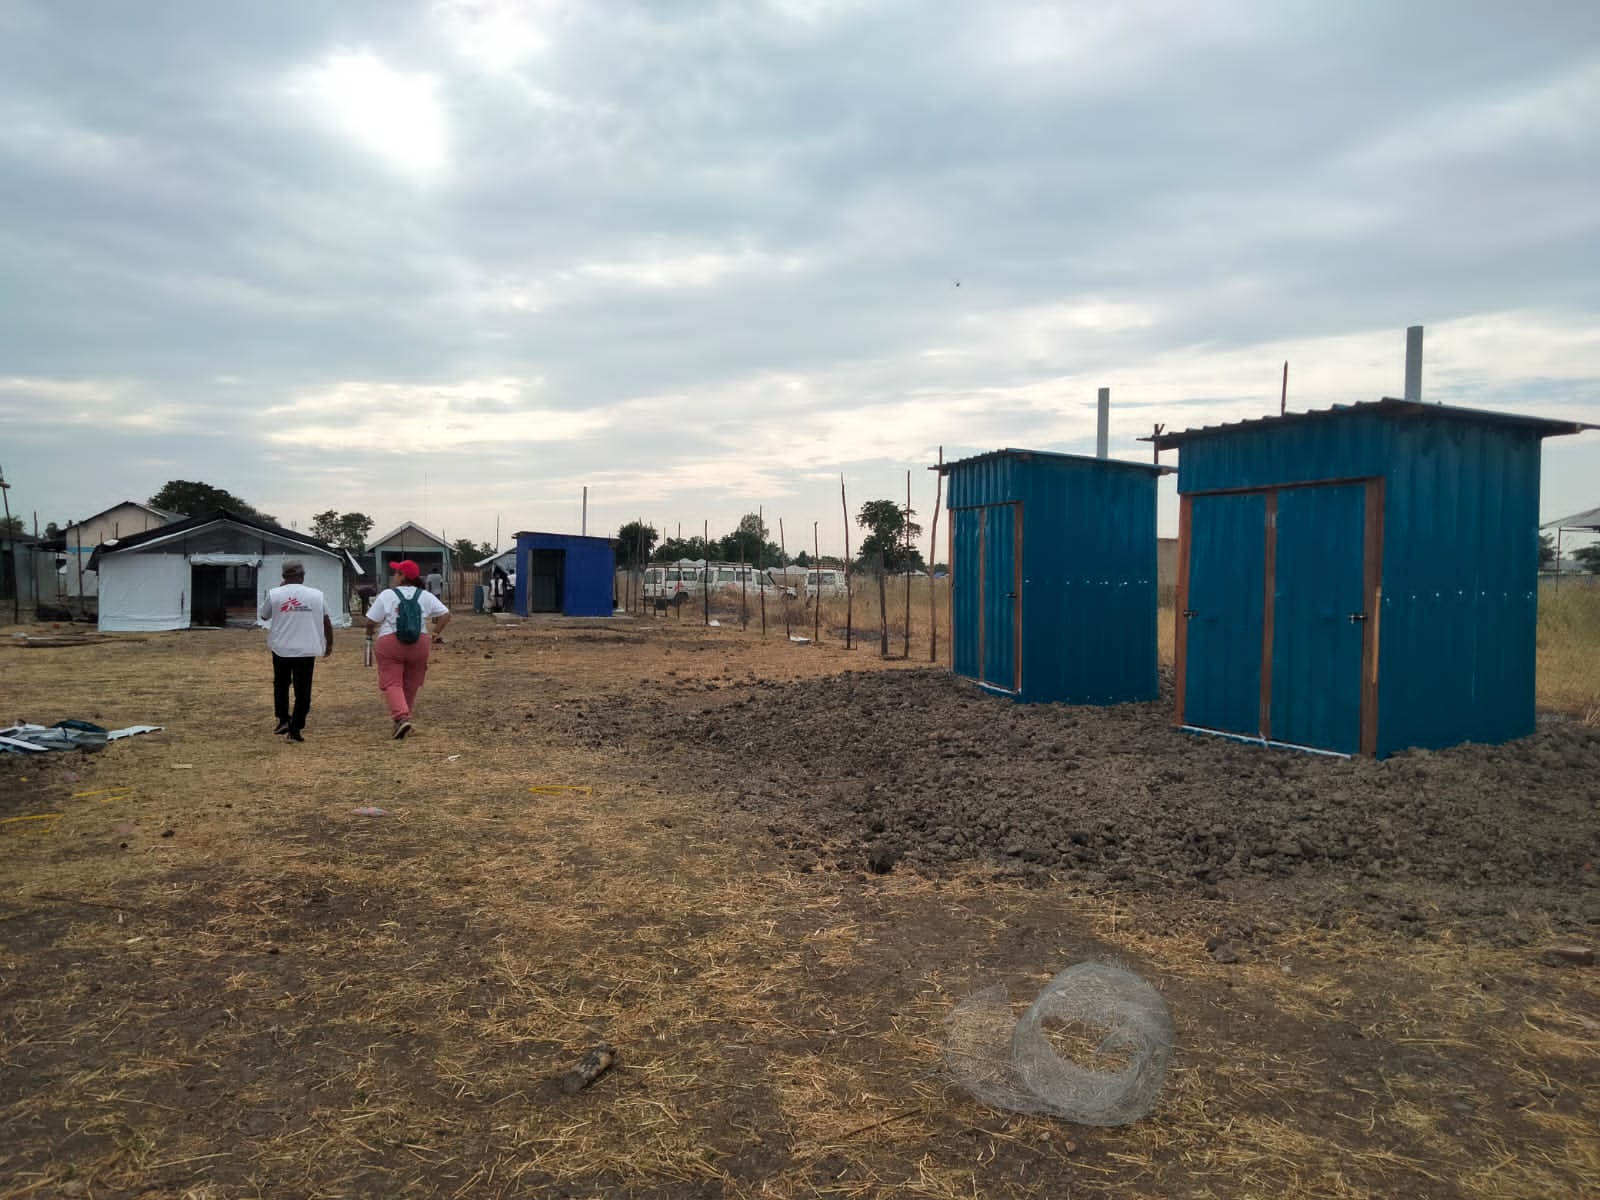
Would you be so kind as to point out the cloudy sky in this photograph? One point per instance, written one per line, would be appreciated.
(455, 260)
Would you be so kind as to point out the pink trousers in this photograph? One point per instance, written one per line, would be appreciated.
(401, 670)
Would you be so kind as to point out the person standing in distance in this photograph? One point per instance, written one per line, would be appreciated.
(435, 582)
(298, 629)
(402, 664)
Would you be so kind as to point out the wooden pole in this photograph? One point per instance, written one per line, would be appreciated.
(883, 611)
(933, 557)
(761, 559)
(849, 599)
(907, 640)
(1283, 399)
(744, 590)
(816, 608)
(705, 581)
(783, 549)
(11, 553)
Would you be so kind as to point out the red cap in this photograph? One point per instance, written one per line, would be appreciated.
(407, 568)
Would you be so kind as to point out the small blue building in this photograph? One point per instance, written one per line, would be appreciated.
(1053, 570)
(564, 573)
(1360, 580)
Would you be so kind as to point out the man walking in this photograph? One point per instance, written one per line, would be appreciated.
(298, 630)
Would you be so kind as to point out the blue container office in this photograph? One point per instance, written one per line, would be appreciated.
(564, 573)
(1360, 580)
(1053, 571)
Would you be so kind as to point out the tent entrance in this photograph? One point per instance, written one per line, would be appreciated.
(219, 592)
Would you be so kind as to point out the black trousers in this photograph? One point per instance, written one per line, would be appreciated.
(284, 672)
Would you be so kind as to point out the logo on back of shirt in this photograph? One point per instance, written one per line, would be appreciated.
(292, 604)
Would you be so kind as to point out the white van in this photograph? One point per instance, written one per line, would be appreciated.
(824, 582)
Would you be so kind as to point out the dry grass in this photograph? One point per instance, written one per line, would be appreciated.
(1569, 650)
(285, 998)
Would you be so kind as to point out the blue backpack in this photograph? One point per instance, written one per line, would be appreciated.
(408, 622)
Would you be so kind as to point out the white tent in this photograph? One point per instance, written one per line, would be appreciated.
(208, 570)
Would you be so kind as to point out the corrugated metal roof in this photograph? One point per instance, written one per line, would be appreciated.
(1024, 455)
(1388, 407)
(1583, 520)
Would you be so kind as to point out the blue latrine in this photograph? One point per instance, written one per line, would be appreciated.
(565, 573)
(1362, 579)
(1053, 571)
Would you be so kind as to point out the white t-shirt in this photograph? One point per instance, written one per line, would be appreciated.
(386, 604)
(294, 614)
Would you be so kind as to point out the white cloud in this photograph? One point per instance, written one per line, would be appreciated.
(404, 418)
(497, 35)
(395, 114)
(670, 268)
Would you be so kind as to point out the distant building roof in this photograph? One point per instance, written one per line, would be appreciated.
(189, 525)
(1012, 452)
(162, 513)
(1583, 520)
(375, 543)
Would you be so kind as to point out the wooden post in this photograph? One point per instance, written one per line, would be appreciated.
(744, 590)
(816, 609)
(933, 554)
(883, 611)
(849, 599)
(761, 558)
(783, 549)
(705, 582)
(906, 642)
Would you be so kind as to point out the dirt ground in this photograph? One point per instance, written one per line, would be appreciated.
(765, 873)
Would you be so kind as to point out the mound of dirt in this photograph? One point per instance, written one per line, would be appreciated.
(875, 768)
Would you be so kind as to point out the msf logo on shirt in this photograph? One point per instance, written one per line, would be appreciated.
(293, 605)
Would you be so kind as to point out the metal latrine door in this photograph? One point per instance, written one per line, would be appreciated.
(1318, 616)
(987, 597)
(1222, 618)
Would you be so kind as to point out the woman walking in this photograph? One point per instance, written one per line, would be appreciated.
(399, 619)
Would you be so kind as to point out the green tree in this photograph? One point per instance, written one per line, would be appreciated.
(191, 498)
(11, 525)
(52, 530)
(802, 559)
(1588, 557)
(348, 531)
(748, 543)
(675, 548)
(635, 541)
(1547, 551)
(468, 552)
(890, 526)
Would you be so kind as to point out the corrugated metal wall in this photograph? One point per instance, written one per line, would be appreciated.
(587, 572)
(1458, 606)
(1087, 603)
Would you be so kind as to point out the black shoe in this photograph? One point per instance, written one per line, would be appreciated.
(294, 736)
(401, 729)
(283, 726)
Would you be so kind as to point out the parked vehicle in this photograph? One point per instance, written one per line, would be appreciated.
(673, 583)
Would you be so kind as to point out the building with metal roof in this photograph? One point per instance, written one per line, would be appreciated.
(1053, 568)
(1361, 579)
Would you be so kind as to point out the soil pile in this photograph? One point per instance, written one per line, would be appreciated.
(922, 768)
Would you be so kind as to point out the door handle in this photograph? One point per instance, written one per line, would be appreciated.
(1011, 595)
(1189, 614)
(1357, 617)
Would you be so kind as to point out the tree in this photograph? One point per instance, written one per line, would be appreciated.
(348, 531)
(890, 527)
(802, 560)
(675, 548)
(748, 543)
(52, 530)
(1588, 557)
(1547, 551)
(191, 499)
(468, 552)
(635, 541)
(11, 525)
